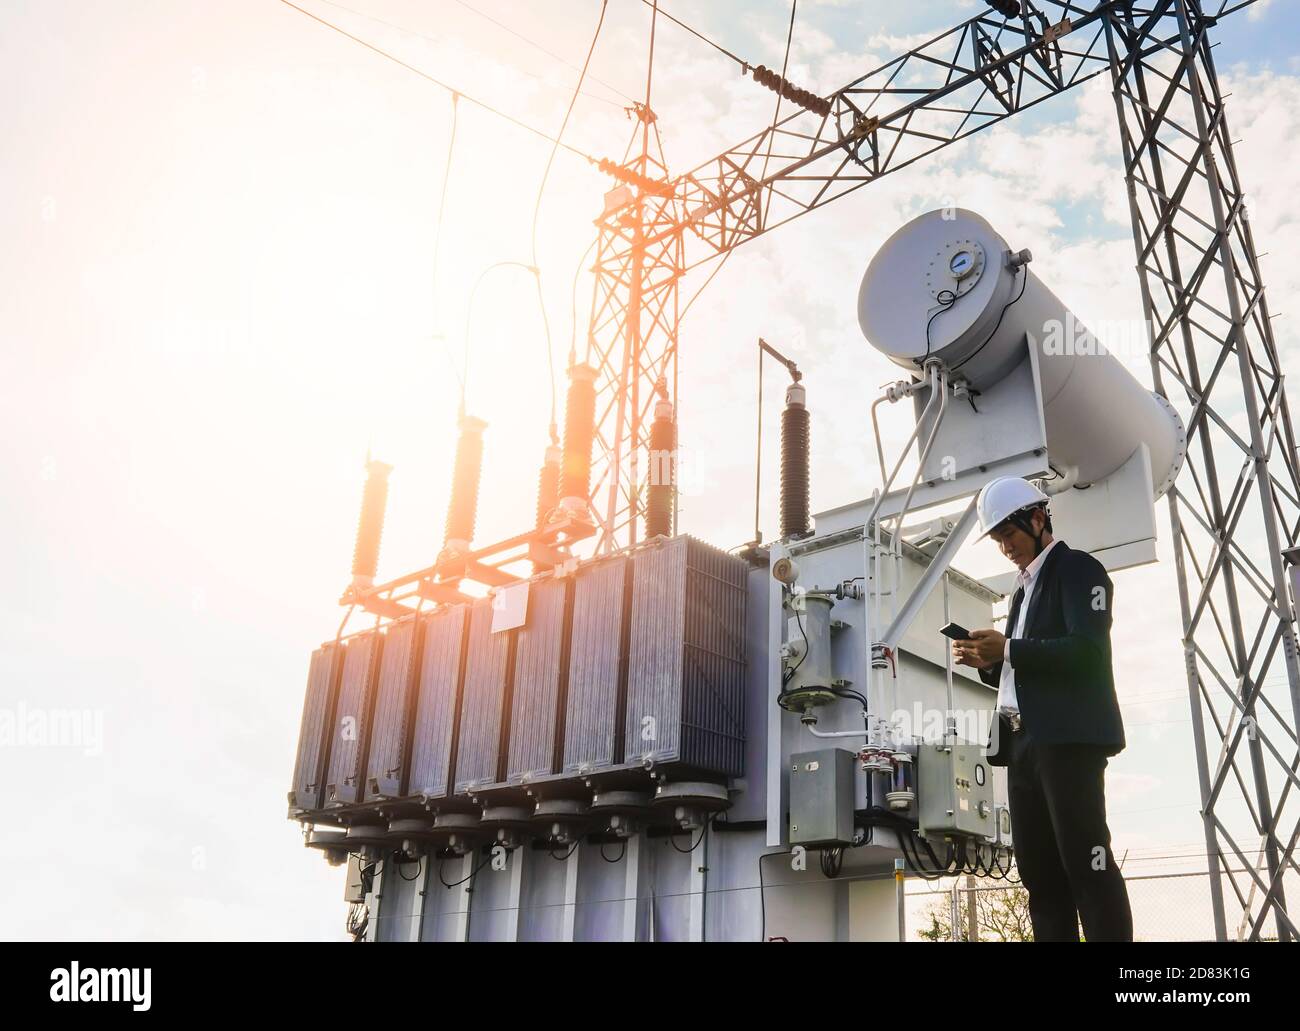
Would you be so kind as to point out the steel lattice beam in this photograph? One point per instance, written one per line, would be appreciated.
(1235, 506)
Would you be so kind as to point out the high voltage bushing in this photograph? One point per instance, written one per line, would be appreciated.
(579, 431)
(462, 509)
(370, 525)
(804, 98)
(548, 484)
(656, 187)
(795, 513)
(663, 472)
(548, 491)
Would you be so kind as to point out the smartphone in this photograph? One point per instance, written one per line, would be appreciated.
(955, 632)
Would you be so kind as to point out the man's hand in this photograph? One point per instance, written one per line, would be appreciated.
(983, 650)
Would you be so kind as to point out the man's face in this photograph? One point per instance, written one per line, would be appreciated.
(1015, 544)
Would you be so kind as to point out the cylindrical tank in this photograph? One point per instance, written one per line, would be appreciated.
(946, 285)
(370, 525)
(795, 489)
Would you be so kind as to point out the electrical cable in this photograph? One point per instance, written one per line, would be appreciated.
(572, 848)
(621, 854)
(537, 46)
(832, 862)
(403, 861)
(762, 895)
(776, 113)
(758, 447)
(789, 674)
(573, 304)
(704, 286)
(698, 841)
(442, 204)
(1024, 280)
(537, 210)
(433, 39)
(744, 65)
(857, 696)
(438, 82)
(945, 306)
(469, 314)
(456, 884)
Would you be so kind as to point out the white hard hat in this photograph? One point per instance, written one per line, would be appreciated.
(1003, 497)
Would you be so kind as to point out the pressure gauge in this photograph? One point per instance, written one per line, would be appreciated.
(961, 264)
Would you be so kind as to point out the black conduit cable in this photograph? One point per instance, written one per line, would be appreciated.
(572, 848)
(698, 841)
(857, 696)
(404, 861)
(619, 857)
(762, 894)
(1024, 280)
(456, 884)
(945, 305)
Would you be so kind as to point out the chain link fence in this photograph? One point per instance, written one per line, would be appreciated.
(1166, 907)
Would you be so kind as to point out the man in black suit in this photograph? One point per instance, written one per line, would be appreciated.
(1058, 720)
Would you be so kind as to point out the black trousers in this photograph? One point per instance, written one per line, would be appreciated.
(1057, 795)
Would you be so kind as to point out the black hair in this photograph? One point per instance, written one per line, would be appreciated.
(1022, 519)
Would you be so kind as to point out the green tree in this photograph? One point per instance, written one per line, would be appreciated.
(1001, 914)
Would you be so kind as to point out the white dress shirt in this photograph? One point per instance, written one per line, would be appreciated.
(1025, 579)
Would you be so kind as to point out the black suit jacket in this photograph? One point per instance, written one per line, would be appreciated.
(1065, 685)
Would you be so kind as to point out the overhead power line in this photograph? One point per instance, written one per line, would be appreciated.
(776, 114)
(744, 65)
(433, 39)
(438, 82)
(549, 53)
(537, 209)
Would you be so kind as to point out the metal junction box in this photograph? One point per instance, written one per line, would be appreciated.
(955, 790)
(821, 798)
